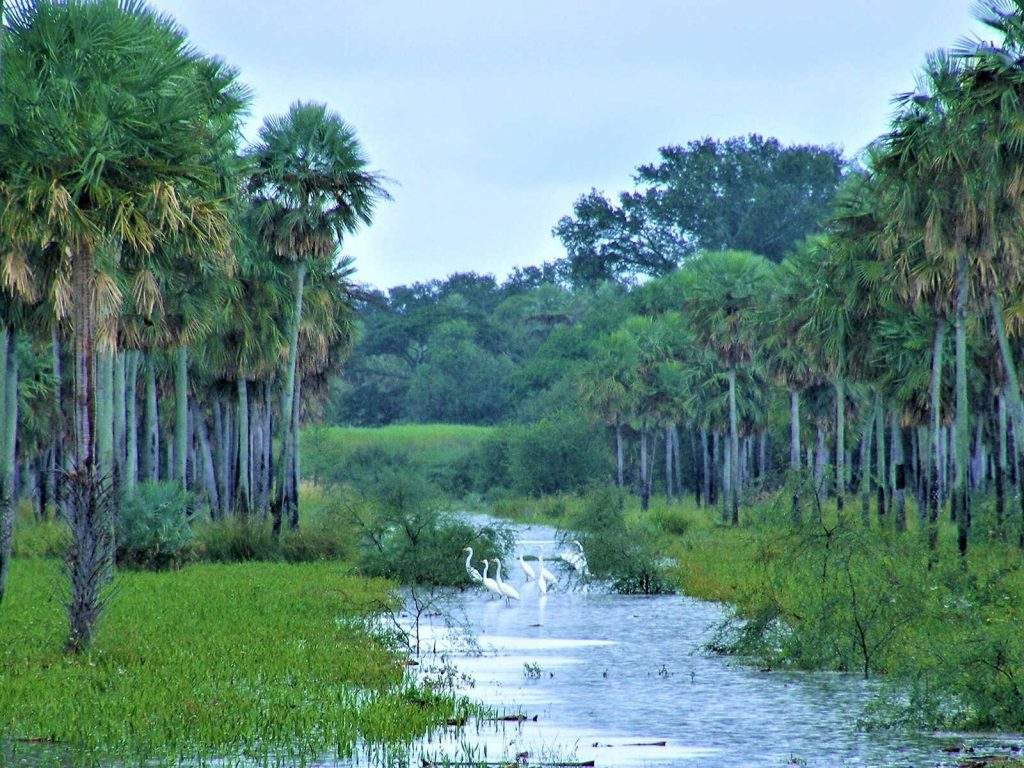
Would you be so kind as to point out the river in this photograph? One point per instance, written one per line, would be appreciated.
(603, 673)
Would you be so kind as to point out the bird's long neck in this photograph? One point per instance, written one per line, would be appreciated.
(469, 557)
(486, 568)
(497, 571)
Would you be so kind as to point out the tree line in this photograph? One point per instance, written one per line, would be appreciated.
(173, 300)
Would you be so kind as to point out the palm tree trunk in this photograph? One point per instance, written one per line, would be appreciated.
(716, 463)
(89, 552)
(244, 462)
(282, 499)
(935, 408)
(961, 491)
(644, 470)
(880, 475)
(295, 469)
(151, 427)
(131, 417)
(181, 416)
(9, 448)
(898, 472)
(1009, 365)
(1000, 468)
(669, 488)
(734, 450)
(620, 470)
(867, 432)
(119, 413)
(206, 453)
(705, 477)
(794, 430)
(840, 387)
(57, 446)
(105, 414)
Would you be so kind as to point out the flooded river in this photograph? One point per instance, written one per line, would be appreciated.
(623, 680)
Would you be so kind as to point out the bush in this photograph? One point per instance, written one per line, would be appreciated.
(620, 551)
(236, 541)
(407, 537)
(562, 454)
(38, 538)
(153, 530)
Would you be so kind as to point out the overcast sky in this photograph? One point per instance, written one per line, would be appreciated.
(492, 117)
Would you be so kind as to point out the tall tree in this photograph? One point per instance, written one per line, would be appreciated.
(310, 187)
(100, 182)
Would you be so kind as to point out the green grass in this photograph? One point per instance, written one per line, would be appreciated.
(444, 453)
(212, 660)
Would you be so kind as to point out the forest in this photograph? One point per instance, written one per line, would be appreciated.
(770, 375)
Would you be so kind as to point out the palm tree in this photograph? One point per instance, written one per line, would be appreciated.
(310, 187)
(721, 293)
(103, 201)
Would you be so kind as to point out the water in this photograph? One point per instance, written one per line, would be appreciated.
(623, 681)
(606, 672)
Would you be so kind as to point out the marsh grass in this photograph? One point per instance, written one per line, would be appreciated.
(444, 453)
(272, 662)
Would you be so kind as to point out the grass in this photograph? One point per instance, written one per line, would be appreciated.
(443, 453)
(267, 660)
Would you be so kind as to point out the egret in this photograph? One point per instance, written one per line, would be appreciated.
(488, 582)
(577, 560)
(507, 590)
(544, 572)
(527, 569)
(542, 584)
(473, 573)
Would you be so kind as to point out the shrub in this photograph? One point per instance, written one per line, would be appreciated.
(38, 538)
(236, 541)
(153, 530)
(562, 454)
(620, 551)
(407, 537)
(673, 521)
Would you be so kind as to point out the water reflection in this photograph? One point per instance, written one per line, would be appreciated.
(622, 680)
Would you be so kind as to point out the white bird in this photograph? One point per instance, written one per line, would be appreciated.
(542, 584)
(472, 572)
(490, 584)
(507, 590)
(527, 569)
(576, 560)
(544, 572)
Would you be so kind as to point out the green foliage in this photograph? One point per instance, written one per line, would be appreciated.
(444, 453)
(38, 538)
(324, 533)
(407, 537)
(870, 602)
(153, 529)
(556, 455)
(270, 661)
(620, 550)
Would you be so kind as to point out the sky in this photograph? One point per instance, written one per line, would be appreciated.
(491, 118)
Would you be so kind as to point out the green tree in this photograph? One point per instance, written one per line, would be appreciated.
(721, 294)
(310, 187)
(101, 182)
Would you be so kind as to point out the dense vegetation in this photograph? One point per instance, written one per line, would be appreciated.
(822, 354)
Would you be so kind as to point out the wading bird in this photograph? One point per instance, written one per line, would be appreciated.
(576, 560)
(507, 590)
(544, 574)
(472, 572)
(527, 569)
(488, 582)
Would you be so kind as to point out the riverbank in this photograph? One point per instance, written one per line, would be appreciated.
(211, 661)
(942, 634)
